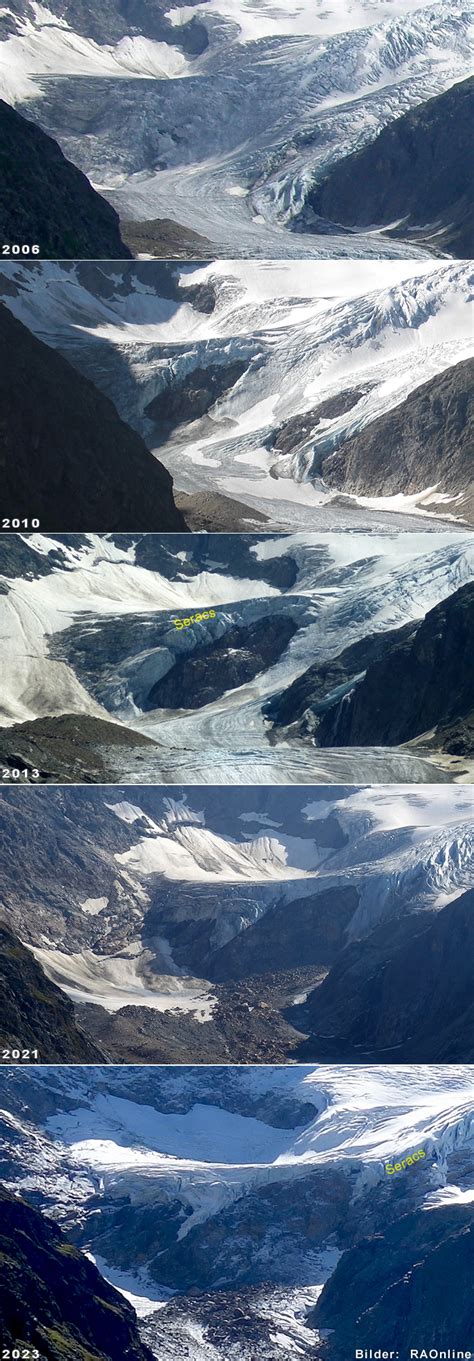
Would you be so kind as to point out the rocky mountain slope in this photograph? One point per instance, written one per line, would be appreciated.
(255, 1197)
(428, 666)
(53, 1299)
(66, 457)
(431, 671)
(45, 201)
(116, 20)
(228, 926)
(35, 1013)
(277, 387)
(413, 179)
(403, 991)
(403, 1281)
(428, 440)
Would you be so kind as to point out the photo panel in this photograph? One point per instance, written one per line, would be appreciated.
(237, 659)
(236, 680)
(211, 925)
(258, 130)
(324, 1212)
(229, 395)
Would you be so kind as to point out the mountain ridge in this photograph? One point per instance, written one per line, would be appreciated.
(87, 472)
(46, 201)
(56, 1295)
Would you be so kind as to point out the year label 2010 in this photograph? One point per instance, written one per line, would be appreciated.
(8, 523)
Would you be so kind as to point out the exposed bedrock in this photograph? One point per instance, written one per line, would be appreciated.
(297, 428)
(402, 991)
(410, 1280)
(416, 174)
(391, 688)
(46, 201)
(66, 457)
(427, 441)
(425, 678)
(308, 930)
(238, 657)
(191, 397)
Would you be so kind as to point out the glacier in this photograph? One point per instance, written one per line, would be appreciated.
(109, 1153)
(363, 337)
(228, 141)
(346, 586)
(179, 880)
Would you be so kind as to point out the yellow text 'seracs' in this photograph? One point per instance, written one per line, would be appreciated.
(194, 619)
(406, 1162)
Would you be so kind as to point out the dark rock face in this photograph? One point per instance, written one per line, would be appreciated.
(297, 428)
(457, 737)
(205, 674)
(310, 694)
(18, 559)
(47, 201)
(390, 688)
(418, 169)
(427, 441)
(66, 457)
(425, 678)
(191, 398)
(34, 1008)
(309, 931)
(53, 1298)
(410, 1281)
(234, 554)
(118, 19)
(234, 1246)
(405, 990)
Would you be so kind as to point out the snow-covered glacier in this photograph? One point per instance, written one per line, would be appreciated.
(222, 116)
(243, 377)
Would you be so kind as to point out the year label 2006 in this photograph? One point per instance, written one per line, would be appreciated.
(8, 249)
